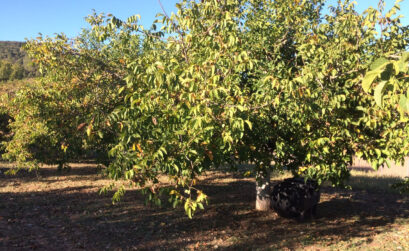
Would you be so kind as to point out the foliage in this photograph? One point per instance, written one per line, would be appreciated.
(258, 81)
(219, 82)
(388, 79)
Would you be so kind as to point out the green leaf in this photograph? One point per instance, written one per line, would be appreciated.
(189, 213)
(402, 64)
(404, 103)
(404, 57)
(368, 80)
(379, 89)
(378, 63)
(101, 134)
(387, 72)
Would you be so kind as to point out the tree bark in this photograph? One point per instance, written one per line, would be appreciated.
(263, 200)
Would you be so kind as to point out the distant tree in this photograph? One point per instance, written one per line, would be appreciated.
(5, 70)
(64, 115)
(13, 53)
(17, 72)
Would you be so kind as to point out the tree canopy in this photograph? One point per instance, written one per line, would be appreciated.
(275, 83)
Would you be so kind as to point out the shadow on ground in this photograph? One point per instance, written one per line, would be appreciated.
(77, 217)
(78, 170)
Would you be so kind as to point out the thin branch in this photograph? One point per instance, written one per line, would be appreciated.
(177, 30)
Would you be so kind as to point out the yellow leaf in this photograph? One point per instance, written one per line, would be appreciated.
(139, 148)
(201, 196)
(89, 130)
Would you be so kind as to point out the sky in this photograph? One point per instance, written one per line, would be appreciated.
(21, 19)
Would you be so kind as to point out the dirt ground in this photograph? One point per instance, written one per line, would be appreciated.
(64, 211)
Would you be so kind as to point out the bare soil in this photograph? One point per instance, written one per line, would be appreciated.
(63, 211)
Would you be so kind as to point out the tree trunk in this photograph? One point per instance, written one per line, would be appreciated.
(263, 201)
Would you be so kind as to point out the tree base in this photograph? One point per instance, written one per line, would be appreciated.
(263, 200)
(263, 204)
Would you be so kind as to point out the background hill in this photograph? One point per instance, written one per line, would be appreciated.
(14, 62)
